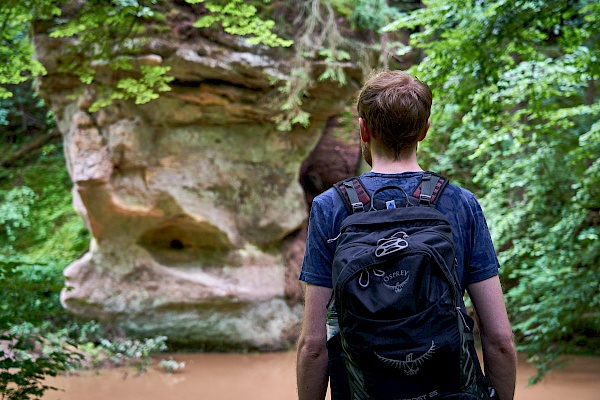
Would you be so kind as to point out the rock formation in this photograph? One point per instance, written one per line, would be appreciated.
(193, 200)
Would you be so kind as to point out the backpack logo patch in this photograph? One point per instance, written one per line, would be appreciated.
(409, 365)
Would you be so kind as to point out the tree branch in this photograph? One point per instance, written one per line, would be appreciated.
(36, 144)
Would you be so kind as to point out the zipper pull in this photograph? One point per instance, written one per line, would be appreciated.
(335, 238)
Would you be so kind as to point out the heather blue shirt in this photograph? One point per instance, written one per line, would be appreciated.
(475, 253)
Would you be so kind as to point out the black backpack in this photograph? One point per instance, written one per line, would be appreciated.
(399, 304)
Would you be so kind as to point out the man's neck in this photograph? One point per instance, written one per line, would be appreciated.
(385, 166)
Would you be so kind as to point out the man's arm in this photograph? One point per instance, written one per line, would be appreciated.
(499, 355)
(311, 363)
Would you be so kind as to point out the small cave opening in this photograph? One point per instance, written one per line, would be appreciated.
(185, 242)
(176, 244)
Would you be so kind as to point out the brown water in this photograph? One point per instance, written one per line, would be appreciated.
(272, 377)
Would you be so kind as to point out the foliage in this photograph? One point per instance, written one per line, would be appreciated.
(31, 353)
(516, 113)
(102, 346)
(16, 50)
(132, 352)
(369, 18)
(171, 365)
(39, 225)
(103, 34)
(294, 90)
(318, 37)
(24, 114)
(25, 358)
(23, 367)
(14, 210)
(368, 14)
(39, 235)
(241, 19)
(105, 40)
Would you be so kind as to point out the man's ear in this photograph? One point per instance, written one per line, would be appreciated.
(365, 135)
(424, 134)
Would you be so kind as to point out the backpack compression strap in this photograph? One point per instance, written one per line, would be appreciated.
(430, 188)
(354, 194)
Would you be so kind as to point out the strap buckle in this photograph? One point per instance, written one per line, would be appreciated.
(357, 207)
(425, 199)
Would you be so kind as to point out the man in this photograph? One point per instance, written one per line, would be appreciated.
(394, 110)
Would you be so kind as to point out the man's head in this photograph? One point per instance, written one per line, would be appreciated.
(394, 107)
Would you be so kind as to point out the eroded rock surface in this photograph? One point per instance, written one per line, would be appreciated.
(193, 200)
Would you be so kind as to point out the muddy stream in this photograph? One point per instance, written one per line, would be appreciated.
(272, 377)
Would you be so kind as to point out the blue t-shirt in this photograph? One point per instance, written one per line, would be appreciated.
(475, 253)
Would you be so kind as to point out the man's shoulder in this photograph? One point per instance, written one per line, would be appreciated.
(329, 199)
(328, 208)
(457, 198)
(459, 192)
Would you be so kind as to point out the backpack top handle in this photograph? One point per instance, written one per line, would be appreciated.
(381, 189)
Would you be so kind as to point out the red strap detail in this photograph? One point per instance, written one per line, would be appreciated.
(362, 194)
(436, 191)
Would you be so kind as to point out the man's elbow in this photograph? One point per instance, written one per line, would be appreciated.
(311, 348)
(502, 343)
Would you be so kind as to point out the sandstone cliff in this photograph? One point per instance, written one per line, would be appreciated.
(193, 200)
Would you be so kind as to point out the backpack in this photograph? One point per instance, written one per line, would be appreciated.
(404, 332)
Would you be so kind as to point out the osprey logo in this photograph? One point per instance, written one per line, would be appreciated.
(398, 286)
(409, 365)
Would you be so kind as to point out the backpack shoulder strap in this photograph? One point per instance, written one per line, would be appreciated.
(431, 187)
(353, 193)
